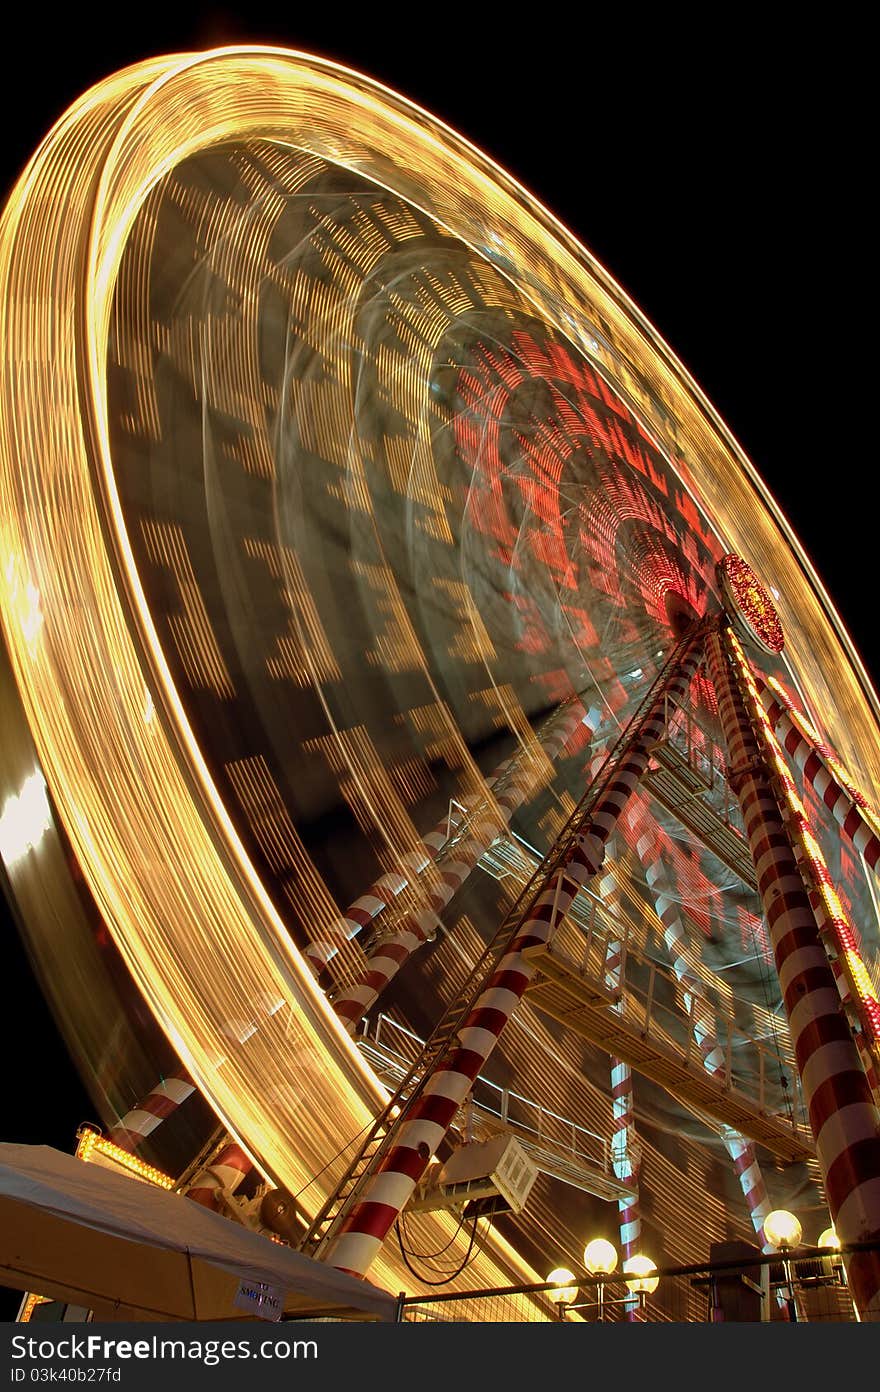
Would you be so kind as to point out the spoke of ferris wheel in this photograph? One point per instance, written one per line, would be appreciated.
(372, 906)
(161, 1101)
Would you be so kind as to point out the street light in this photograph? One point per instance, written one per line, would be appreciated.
(829, 1238)
(783, 1231)
(832, 1264)
(566, 1285)
(639, 1272)
(600, 1259)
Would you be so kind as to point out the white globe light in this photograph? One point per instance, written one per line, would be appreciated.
(564, 1294)
(642, 1269)
(829, 1238)
(782, 1229)
(600, 1257)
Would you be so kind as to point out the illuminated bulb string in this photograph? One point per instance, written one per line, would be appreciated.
(811, 753)
(822, 892)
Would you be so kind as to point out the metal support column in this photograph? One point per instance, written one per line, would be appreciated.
(823, 771)
(843, 1117)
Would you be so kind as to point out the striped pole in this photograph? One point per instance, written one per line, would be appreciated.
(133, 1129)
(626, 1163)
(625, 1147)
(854, 983)
(426, 1118)
(515, 781)
(849, 808)
(226, 1171)
(844, 1120)
(380, 894)
(751, 1179)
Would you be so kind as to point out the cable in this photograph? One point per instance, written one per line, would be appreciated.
(453, 1275)
(333, 1158)
(428, 1256)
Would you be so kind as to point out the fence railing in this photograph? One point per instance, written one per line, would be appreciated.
(806, 1286)
(391, 1046)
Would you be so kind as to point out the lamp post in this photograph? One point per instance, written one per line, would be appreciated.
(600, 1260)
(783, 1231)
(566, 1289)
(833, 1262)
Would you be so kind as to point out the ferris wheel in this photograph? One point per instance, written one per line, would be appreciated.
(444, 737)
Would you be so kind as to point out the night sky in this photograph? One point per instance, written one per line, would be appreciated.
(712, 174)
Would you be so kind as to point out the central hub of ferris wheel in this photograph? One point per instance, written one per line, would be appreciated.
(748, 604)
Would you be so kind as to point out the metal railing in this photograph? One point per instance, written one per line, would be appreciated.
(391, 1047)
(599, 925)
(759, 1067)
(690, 739)
(677, 1013)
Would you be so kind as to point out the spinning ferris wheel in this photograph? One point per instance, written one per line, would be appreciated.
(444, 736)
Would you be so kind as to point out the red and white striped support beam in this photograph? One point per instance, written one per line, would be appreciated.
(625, 1155)
(133, 1129)
(868, 1044)
(849, 808)
(520, 779)
(226, 1171)
(751, 1179)
(380, 894)
(425, 1121)
(853, 980)
(843, 1117)
(626, 1163)
(625, 1148)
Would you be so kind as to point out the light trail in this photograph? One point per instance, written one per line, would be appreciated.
(182, 898)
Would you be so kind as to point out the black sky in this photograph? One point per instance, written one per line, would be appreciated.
(714, 170)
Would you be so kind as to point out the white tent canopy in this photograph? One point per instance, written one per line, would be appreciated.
(126, 1250)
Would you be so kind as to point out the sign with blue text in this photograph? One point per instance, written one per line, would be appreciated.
(266, 1302)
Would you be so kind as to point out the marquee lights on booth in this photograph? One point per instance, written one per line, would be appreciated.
(93, 1147)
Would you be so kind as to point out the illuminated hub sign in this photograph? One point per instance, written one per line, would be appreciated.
(749, 605)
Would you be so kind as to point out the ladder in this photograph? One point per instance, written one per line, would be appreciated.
(382, 1135)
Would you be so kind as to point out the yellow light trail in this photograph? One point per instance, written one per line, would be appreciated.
(181, 898)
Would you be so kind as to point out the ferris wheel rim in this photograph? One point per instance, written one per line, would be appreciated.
(100, 270)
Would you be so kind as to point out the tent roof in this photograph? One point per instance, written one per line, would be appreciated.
(125, 1249)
